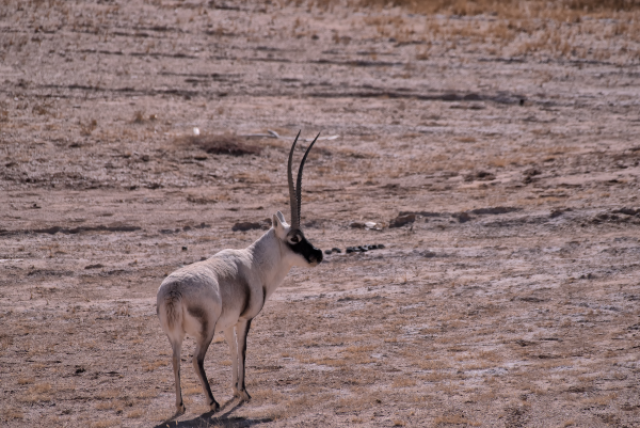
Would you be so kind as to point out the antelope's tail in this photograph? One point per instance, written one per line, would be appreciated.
(169, 308)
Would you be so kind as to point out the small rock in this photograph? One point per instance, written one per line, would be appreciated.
(531, 172)
(484, 175)
(494, 210)
(245, 225)
(369, 225)
(96, 266)
(333, 250)
(556, 213)
(363, 248)
(480, 176)
(462, 217)
(627, 211)
(401, 220)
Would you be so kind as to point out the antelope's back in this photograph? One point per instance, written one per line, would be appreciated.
(203, 289)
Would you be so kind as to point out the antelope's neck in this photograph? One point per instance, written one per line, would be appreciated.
(269, 261)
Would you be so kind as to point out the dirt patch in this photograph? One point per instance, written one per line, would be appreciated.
(499, 137)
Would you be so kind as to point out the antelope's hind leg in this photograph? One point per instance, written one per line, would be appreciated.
(202, 345)
(176, 345)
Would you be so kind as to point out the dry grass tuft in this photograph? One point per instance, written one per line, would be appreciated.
(146, 393)
(327, 361)
(192, 389)
(268, 395)
(105, 405)
(11, 414)
(225, 144)
(355, 403)
(505, 8)
(404, 383)
(134, 414)
(106, 423)
(455, 419)
(201, 199)
(109, 394)
(602, 5)
(149, 367)
(41, 388)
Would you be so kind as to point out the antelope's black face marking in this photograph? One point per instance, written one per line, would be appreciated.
(300, 245)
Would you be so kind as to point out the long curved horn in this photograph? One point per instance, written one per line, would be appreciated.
(299, 182)
(295, 211)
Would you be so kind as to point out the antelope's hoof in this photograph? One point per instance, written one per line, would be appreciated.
(243, 395)
(180, 409)
(214, 407)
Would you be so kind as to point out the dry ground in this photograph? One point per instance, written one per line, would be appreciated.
(510, 140)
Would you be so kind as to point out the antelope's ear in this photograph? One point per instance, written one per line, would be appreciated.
(279, 224)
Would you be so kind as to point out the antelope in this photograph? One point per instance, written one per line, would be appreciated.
(226, 291)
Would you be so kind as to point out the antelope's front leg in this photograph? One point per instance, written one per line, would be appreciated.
(230, 337)
(242, 331)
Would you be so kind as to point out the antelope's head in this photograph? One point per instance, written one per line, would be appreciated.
(301, 251)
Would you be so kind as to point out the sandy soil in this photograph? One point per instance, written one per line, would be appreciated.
(508, 147)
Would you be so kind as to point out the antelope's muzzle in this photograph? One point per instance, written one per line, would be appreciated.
(311, 254)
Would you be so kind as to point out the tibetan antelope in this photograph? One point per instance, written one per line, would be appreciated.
(226, 291)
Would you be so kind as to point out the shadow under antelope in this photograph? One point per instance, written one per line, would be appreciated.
(226, 291)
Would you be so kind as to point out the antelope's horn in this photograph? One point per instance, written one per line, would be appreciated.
(299, 182)
(295, 210)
